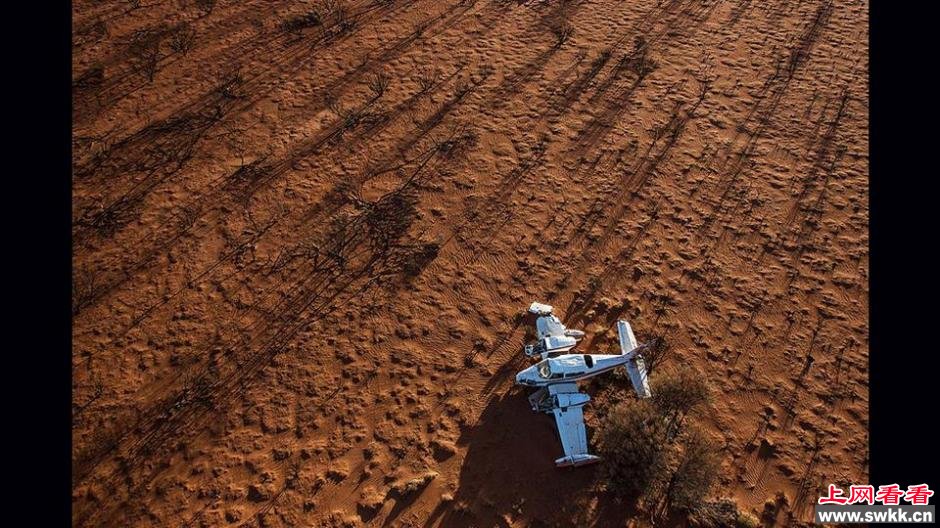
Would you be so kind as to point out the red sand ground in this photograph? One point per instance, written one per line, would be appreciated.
(301, 246)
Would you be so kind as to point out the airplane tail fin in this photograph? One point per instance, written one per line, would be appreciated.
(636, 367)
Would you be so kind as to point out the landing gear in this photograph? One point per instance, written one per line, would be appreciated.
(535, 349)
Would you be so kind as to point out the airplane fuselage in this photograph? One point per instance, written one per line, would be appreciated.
(569, 368)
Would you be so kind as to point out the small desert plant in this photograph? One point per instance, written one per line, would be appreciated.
(205, 6)
(86, 287)
(562, 30)
(145, 52)
(334, 105)
(183, 39)
(302, 21)
(91, 78)
(378, 84)
(335, 14)
(632, 441)
(229, 84)
(646, 456)
(427, 79)
(655, 353)
(458, 144)
(420, 257)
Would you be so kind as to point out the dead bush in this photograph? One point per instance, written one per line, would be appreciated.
(205, 6)
(562, 30)
(656, 353)
(144, 51)
(298, 23)
(460, 142)
(419, 258)
(336, 15)
(86, 286)
(378, 84)
(427, 79)
(183, 39)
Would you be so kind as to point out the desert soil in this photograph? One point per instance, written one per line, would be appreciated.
(304, 235)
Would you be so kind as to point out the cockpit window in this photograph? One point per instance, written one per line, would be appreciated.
(544, 370)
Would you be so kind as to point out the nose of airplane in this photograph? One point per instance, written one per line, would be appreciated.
(524, 378)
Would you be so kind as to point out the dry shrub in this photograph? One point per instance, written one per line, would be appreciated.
(302, 21)
(183, 39)
(720, 513)
(144, 51)
(562, 30)
(632, 441)
(656, 353)
(427, 79)
(378, 84)
(336, 15)
(205, 6)
(678, 393)
(86, 286)
(695, 472)
(646, 454)
(419, 258)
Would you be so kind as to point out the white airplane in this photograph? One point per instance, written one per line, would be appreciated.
(553, 337)
(558, 393)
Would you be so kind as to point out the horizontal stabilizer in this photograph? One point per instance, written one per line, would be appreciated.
(627, 339)
(636, 368)
(635, 365)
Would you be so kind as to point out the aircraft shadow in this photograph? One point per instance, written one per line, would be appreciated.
(509, 476)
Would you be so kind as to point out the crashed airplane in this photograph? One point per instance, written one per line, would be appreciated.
(558, 372)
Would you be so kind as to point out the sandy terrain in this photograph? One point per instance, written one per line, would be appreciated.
(304, 234)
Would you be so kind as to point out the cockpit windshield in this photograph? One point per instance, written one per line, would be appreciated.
(544, 370)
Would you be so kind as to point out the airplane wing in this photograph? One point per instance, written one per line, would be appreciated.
(570, 421)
